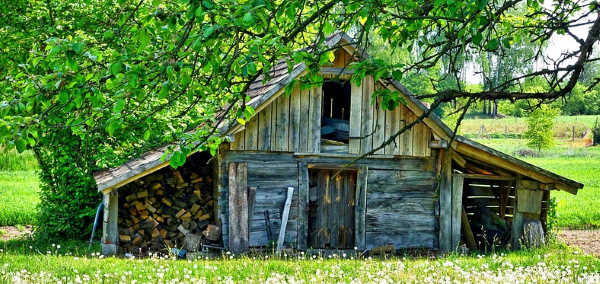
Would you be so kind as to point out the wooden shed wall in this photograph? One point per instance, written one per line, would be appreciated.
(400, 197)
(293, 124)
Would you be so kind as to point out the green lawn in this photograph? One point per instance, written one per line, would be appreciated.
(18, 197)
(517, 125)
(71, 263)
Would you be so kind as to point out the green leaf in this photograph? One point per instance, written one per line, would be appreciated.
(477, 38)
(21, 145)
(248, 18)
(397, 75)
(147, 134)
(492, 44)
(116, 68)
(112, 126)
(119, 106)
(108, 34)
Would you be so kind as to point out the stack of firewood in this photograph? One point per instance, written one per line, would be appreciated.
(160, 210)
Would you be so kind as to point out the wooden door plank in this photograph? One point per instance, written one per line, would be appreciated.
(303, 200)
(360, 208)
(445, 201)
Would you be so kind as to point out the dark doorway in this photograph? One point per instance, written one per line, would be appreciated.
(335, 119)
(331, 204)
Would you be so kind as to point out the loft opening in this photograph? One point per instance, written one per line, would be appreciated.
(335, 115)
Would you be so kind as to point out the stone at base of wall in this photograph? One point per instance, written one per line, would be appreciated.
(109, 249)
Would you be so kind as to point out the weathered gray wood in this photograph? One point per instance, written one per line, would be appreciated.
(304, 129)
(412, 239)
(251, 132)
(238, 208)
(295, 113)
(303, 199)
(251, 202)
(529, 201)
(110, 229)
(314, 139)
(355, 119)
(445, 193)
(379, 126)
(457, 207)
(284, 218)
(533, 234)
(283, 116)
(405, 163)
(264, 141)
(408, 137)
(366, 115)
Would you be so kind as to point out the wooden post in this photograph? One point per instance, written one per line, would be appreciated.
(527, 208)
(445, 193)
(360, 208)
(303, 195)
(110, 229)
(284, 218)
(251, 201)
(457, 190)
(238, 208)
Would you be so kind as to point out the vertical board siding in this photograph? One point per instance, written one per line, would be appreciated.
(293, 124)
(400, 209)
(355, 119)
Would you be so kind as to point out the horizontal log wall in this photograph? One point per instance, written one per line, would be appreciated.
(293, 124)
(400, 209)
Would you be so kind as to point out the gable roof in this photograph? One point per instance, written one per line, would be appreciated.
(261, 94)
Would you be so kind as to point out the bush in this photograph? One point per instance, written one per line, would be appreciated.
(540, 122)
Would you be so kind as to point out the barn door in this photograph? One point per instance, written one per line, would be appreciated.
(331, 209)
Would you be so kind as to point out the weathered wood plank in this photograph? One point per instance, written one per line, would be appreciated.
(529, 201)
(284, 218)
(110, 227)
(238, 208)
(408, 137)
(457, 207)
(283, 127)
(238, 141)
(379, 127)
(360, 207)
(314, 138)
(366, 143)
(251, 134)
(295, 113)
(409, 239)
(356, 97)
(264, 140)
(445, 234)
(251, 203)
(303, 199)
(304, 120)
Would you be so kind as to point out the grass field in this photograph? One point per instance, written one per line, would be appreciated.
(18, 197)
(71, 263)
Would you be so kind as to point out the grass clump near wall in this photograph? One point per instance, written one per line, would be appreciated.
(13, 161)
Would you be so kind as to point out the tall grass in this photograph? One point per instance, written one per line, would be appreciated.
(18, 197)
(11, 160)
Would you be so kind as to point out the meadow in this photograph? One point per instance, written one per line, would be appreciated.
(73, 263)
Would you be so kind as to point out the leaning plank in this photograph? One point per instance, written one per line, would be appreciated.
(238, 208)
(284, 218)
(466, 229)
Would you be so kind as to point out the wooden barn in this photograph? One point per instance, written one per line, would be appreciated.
(285, 179)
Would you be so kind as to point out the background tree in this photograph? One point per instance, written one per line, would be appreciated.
(539, 132)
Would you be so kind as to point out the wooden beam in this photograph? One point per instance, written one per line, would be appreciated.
(466, 229)
(458, 159)
(360, 208)
(488, 177)
(110, 228)
(445, 233)
(438, 144)
(457, 191)
(284, 218)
